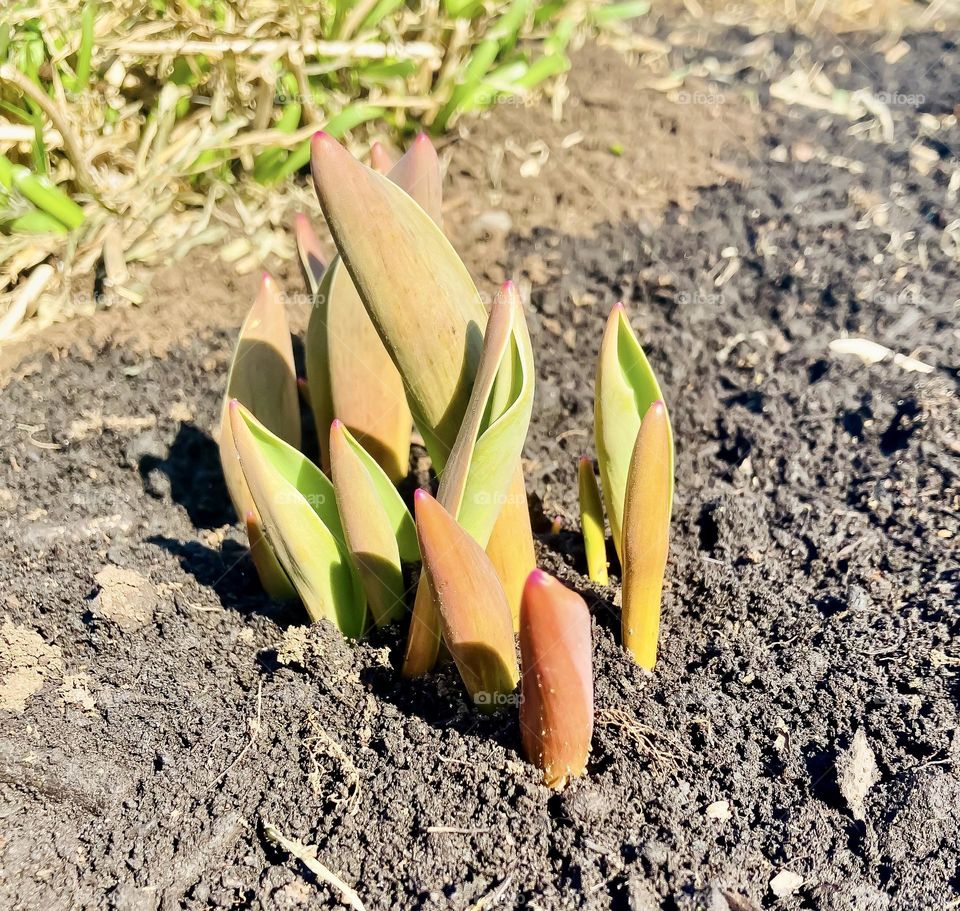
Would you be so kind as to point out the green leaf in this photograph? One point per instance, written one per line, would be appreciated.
(350, 118)
(591, 523)
(625, 388)
(43, 193)
(85, 53)
(474, 483)
(350, 372)
(398, 516)
(646, 535)
(262, 377)
(298, 509)
(378, 529)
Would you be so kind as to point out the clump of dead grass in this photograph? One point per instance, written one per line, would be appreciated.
(173, 124)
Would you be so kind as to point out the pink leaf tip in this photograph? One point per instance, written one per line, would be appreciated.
(539, 577)
(336, 424)
(323, 142)
(419, 495)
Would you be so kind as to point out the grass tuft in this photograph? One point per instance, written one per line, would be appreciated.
(126, 126)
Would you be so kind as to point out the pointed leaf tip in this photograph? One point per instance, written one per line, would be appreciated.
(380, 158)
(539, 577)
(474, 613)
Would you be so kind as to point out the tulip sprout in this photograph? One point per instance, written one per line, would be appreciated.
(591, 521)
(398, 335)
(556, 705)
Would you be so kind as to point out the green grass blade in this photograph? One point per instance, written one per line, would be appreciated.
(85, 53)
(619, 12)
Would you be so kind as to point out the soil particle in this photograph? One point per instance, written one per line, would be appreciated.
(856, 773)
(27, 661)
(123, 597)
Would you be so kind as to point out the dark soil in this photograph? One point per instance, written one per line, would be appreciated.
(170, 710)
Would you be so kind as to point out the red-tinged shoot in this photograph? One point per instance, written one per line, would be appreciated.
(312, 260)
(474, 613)
(381, 160)
(556, 702)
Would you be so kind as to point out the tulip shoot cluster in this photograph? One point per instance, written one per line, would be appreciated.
(398, 337)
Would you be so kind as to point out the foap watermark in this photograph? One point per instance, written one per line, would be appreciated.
(511, 99)
(700, 298)
(908, 296)
(898, 99)
(295, 496)
(706, 99)
(485, 498)
(497, 700)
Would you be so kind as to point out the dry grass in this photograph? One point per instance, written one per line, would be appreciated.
(176, 123)
(133, 131)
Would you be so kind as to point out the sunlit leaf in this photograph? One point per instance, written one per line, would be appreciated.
(378, 528)
(474, 483)
(591, 522)
(646, 531)
(262, 377)
(416, 289)
(510, 547)
(481, 471)
(350, 373)
(625, 388)
(351, 376)
(298, 510)
(428, 314)
(474, 613)
(418, 173)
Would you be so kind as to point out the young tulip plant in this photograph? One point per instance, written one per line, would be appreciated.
(399, 336)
